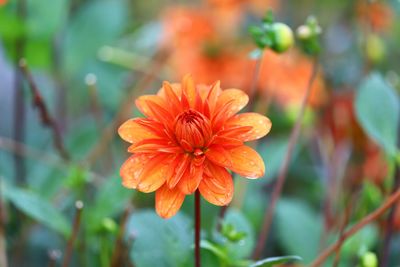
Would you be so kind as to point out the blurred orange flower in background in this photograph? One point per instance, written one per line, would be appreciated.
(3, 2)
(378, 14)
(285, 77)
(190, 138)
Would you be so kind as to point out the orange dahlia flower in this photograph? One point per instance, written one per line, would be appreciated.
(190, 138)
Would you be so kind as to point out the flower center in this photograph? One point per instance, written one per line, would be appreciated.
(192, 129)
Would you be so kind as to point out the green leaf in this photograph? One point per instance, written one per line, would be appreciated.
(159, 242)
(361, 242)
(111, 199)
(96, 24)
(216, 250)
(244, 247)
(269, 262)
(377, 109)
(38, 208)
(296, 225)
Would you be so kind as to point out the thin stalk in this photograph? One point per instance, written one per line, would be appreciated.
(389, 224)
(119, 248)
(3, 247)
(361, 224)
(19, 106)
(197, 226)
(284, 167)
(46, 118)
(74, 234)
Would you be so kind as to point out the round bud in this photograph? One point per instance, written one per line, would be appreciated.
(303, 32)
(369, 259)
(283, 37)
(109, 225)
(374, 48)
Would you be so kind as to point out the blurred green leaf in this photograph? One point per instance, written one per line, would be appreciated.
(361, 242)
(269, 262)
(38, 208)
(298, 228)
(243, 247)
(45, 17)
(110, 200)
(377, 109)
(97, 23)
(159, 242)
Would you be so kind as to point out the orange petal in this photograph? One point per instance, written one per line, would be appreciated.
(217, 186)
(218, 155)
(260, 124)
(168, 201)
(154, 173)
(246, 162)
(132, 169)
(142, 104)
(239, 98)
(191, 179)
(172, 98)
(189, 89)
(180, 164)
(227, 142)
(154, 146)
(132, 131)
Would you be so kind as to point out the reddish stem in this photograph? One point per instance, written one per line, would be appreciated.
(197, 226)
(284, 167)
(74, 234)
(361, 224)
(46, 118)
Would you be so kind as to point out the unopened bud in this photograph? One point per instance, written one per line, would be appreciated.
(283, 37)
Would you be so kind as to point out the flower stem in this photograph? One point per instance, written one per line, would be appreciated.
(357, 227)
(74, 234)
(197, 226)
(284, 167)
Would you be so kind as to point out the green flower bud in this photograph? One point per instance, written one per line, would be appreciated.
(374, 48)
(369, 259)
(109, 225)
(283, 37)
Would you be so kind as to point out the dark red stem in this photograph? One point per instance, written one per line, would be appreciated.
(197, 227)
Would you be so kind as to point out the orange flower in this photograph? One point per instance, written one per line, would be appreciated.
(190, 138)
(3, 2)
(285, 78)
(378, 15)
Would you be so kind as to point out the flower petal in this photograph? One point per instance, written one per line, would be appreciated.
(191, 179)
(168, 201)
(246, 162)
(180, 164)
(132, 169)
(142, 104)
(154, 146)
(217, 186)
(132, 131)
(239, 98)
(154, 173)
(218, 155)
(260, 124)
(189, 89)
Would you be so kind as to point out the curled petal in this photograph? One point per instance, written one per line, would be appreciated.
(191, 179)
(246, 162)
(239, 98)
(260, 124)
(132, 169)
(168, 201)
(217, 185)
(218, 155)
(133, 131)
